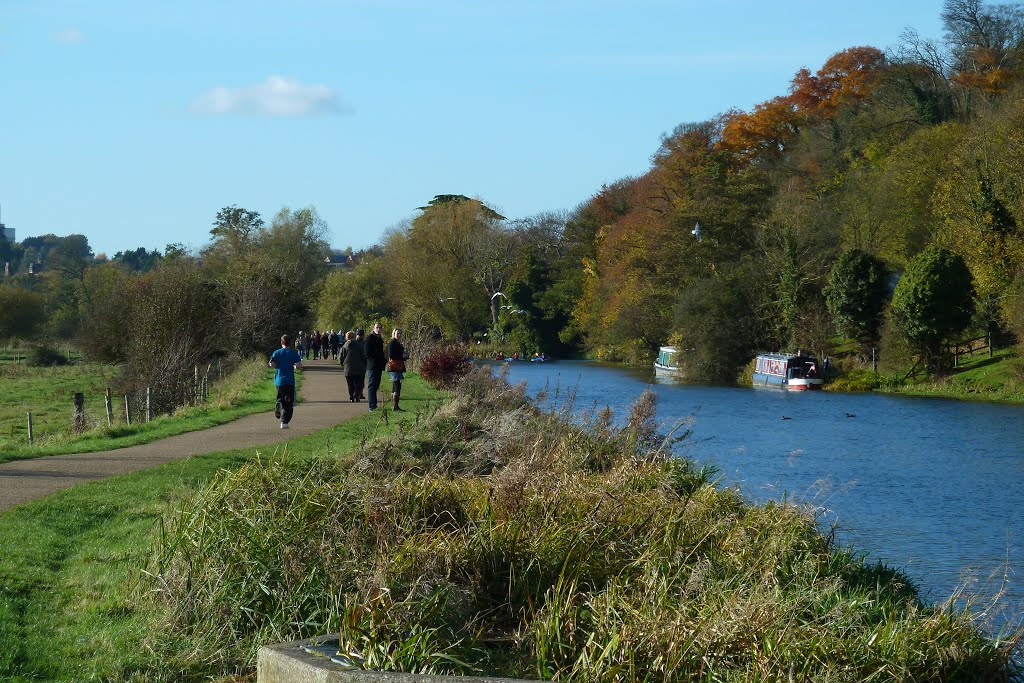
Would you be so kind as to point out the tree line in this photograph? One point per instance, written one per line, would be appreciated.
(876, 204)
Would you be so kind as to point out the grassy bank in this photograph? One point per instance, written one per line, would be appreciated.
(978, 378)
(497, 538)
(74, 602)
(46, 392)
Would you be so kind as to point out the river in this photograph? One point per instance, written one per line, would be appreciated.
(929, 486)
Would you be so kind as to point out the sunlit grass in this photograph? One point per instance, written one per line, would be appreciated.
(47, 393)
(499, 539)
(73, 603)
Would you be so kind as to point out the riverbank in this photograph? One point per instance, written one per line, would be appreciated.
(978, 378)
(492, 537)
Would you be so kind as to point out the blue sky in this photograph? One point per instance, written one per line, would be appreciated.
(135, 122)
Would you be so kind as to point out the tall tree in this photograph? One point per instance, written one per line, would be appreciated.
(933, 301)
(856, 295)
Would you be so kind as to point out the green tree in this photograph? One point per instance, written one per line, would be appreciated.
(933, 301)
(266, 277)
(719, 328)
(353, 298)
(22, 312)
(856, 295)
(139, 260)
(441, 264)
(105, 312)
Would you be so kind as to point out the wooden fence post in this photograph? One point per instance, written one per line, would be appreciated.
(79, 411)
(127, 412)
(30, 429)
(108, 403)
(149, 405)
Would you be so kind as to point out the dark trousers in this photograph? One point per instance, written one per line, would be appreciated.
(355, 385)
(372, 386)
(286, 395)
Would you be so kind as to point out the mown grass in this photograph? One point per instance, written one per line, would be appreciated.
(979, 378)
(47, 393)
(73, 595)
(499, 539)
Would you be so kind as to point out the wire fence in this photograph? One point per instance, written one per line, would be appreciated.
(87, 411)
(19, 354)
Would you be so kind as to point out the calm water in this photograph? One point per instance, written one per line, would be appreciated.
(932, 487)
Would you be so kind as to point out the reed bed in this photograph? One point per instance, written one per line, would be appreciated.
(500, 538)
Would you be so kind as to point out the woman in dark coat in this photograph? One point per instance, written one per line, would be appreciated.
(396, 366)
(352, 358)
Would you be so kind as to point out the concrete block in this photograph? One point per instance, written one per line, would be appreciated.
(314, 661)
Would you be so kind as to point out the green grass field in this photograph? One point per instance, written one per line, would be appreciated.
(71, 564)
(47, 394)
(11, 354)
(979, 378)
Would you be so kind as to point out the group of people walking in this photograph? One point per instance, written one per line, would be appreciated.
(363, 362)
(319, 344)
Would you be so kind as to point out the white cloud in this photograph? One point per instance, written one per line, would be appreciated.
(71, 36)
(278, 96)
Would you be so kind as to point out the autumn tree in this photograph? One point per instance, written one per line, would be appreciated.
(986, 44)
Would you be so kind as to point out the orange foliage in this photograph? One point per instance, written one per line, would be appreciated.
(768, 129)
(848, 77)
(845, 79)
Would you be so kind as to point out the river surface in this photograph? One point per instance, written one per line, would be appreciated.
(933, 487)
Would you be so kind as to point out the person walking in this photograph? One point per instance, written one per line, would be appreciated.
(375, 363)
(396, 366)
(352, 358)
(335, 344)
(361, 340)
(285, 361)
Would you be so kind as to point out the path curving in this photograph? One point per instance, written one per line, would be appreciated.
(324, 403)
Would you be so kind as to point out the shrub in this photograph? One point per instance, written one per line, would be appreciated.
(45, 356)
(444, 366)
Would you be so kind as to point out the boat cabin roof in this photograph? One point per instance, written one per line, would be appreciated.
(788, 357)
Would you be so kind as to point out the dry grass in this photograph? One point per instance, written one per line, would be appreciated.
(502, 539)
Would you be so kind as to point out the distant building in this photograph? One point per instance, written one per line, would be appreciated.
(8, 233)
(338, 261)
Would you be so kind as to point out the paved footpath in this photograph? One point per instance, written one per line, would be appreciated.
(324, 403)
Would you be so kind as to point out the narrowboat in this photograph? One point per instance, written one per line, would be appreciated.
(667, 365)
(796, 372)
